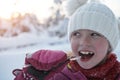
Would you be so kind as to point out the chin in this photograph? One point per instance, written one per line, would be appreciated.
(86, 66)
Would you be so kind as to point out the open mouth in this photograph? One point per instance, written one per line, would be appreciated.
(85, 55)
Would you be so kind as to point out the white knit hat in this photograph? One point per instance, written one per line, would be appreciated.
(97, 17)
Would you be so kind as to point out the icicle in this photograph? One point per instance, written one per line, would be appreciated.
(75, 58)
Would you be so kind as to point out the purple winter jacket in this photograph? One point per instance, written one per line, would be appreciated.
(49, 62)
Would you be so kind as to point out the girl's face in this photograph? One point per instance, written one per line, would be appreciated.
(90, 46)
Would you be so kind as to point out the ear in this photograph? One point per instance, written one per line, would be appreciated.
(109, 49)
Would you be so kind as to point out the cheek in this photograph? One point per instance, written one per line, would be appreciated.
(102, 47)
(74, 45)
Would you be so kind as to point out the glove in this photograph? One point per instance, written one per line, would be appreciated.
(45, 59)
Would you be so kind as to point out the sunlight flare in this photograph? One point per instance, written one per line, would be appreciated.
(38, 7)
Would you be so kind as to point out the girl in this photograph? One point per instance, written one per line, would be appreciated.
(93, 34)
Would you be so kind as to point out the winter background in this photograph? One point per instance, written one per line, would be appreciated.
(25, 29)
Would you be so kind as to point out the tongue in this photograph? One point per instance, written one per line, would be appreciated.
(86, 57)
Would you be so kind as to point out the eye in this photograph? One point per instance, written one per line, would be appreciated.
(76, 34)
(95, 35)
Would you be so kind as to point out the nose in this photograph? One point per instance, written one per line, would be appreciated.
(85, 41)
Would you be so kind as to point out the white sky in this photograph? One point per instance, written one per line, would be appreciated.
(39, 7)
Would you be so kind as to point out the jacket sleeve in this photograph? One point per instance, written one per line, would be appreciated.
(68, 74)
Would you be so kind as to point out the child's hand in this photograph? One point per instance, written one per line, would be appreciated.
(45, 59)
